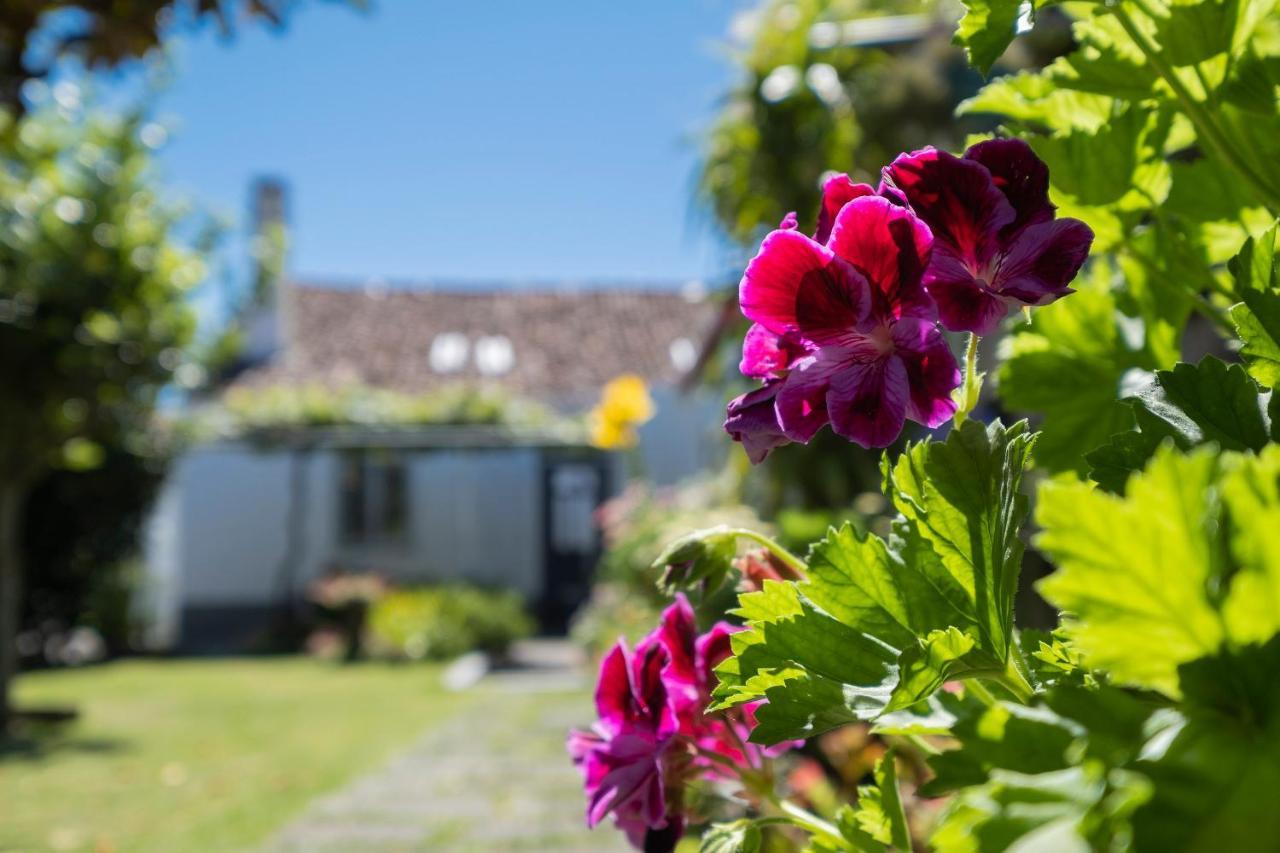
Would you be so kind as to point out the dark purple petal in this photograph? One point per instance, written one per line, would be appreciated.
(966, 306)
(802, 397)
(753, 421)
(794, 284)
(890, 246)
(837, 191)
(1037, 266)
(868, 402)
(932, 372)
(1020, 175)
(956, 198)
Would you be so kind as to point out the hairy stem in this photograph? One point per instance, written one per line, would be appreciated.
(971, 387)
(774, 548)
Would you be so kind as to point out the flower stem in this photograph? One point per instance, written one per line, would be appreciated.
(809, 821)
(774, 548)
(971, 387)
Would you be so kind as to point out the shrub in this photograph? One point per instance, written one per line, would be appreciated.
(437, 623)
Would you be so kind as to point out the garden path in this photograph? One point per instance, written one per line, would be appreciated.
(496, 777)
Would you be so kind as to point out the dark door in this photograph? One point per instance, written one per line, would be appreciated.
(573, 488)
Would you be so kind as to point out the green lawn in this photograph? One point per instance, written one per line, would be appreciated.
(201, 755)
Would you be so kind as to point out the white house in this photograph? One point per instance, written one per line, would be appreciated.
(243, 526)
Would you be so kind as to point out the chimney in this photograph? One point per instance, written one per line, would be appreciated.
(268, 307)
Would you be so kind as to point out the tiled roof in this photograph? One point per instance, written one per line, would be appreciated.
(560, 344)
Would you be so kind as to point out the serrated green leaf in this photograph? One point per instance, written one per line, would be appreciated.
(1132, 572)
(1257, 316)
(963, 497)
(986, 30)
(1190, 406)
(879, 810)
(878, 625)
(1172, 570)
(1207, 402)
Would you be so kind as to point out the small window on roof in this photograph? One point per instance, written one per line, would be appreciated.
(448, 352)
(683, 353)
(494, 355)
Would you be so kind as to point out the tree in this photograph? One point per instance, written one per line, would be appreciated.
(93, 310)
(104, 33)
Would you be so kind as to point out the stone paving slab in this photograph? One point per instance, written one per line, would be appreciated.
(496, 777)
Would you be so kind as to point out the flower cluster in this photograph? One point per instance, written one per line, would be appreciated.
(653, 737)
(845, 323)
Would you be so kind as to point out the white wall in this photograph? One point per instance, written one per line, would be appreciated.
(218, 533)
(685, 437)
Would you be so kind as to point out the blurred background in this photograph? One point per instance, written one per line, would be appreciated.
(360, 358)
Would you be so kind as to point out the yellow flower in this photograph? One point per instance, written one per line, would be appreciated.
(626, 400)
(624, 404)
(609, 434)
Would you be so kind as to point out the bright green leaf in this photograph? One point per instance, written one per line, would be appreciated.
(1257, 316)
(986, 30)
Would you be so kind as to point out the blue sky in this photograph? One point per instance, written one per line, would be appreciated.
(426, 140)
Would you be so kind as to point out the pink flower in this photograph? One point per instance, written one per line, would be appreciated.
(853, 325)
(996, 241)
(626, 757)
(653, 734)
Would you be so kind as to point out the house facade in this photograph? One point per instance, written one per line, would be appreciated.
(246, 524)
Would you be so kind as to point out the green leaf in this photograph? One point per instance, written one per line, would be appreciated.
(963, 497)
(1036, 102)
(1257, 316)
(1069, 365)
(879, 811)
(1190, 406)
(986, 30)
(1048, 777)
(739, 836)
(1172, 570)
(1215, 773)
(1207, 402)
(1004, 736)
(879, 624)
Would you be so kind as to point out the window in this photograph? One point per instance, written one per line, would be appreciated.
(373, 503)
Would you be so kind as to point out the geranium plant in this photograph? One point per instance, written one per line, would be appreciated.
(1126, 215)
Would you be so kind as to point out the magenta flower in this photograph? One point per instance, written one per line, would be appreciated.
(653, 734)
(626, 757)
(854, 326)
(996, 241)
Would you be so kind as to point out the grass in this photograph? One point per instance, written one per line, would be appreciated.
(201, 755)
